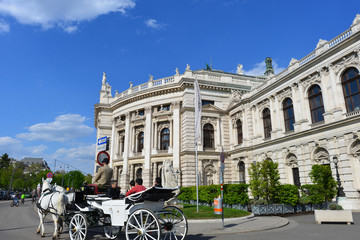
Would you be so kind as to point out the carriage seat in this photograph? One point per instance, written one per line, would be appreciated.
(94, 189)
(153, 194)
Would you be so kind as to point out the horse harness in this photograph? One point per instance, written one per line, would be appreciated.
(46, 192)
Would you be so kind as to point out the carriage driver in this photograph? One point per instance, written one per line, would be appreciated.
(104, 174)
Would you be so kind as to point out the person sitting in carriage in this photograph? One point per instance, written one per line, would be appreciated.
(113, 191)
(137, 188)
(104, 174)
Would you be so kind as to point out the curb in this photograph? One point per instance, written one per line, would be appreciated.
(219, 220)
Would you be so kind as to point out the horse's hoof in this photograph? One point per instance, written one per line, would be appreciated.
(43, 235)
(37, 231)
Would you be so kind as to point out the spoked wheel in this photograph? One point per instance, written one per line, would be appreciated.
(111, 232)
(143, 225)
(78, 227)
(173, 222)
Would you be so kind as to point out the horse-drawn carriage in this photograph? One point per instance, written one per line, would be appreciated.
(142, 216)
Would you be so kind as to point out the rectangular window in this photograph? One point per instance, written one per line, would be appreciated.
(206, 102)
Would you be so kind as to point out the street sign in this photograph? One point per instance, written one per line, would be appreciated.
(101, 144)
(49, 175)
(101, 156)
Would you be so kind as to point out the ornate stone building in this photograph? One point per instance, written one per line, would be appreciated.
(307, 114)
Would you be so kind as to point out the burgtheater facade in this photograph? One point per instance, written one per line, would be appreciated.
(307, 114)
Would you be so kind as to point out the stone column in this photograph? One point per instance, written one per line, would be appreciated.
(303, 113)
(112, 146)
(156, 137)
(125, 173)
(133, 146)
(147, 147)
(336, 86)
(253, 115)
(296, 106)
(218, 134)
(176, 134)
(328, 97)
(171, 130)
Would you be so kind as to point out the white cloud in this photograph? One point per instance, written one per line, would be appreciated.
(15, 148)
(64, 128)
(4, 26)
(76, 153)
(259, 69)
(61, 13)
(152, 23)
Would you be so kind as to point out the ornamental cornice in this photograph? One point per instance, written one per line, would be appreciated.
(340, 65)
(291, 160)
(136, 116)
(119, 122)
(236, 95)
(137, 123)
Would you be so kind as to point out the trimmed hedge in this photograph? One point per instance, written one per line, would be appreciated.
(233, 193)
(314, 192)
(287, 194)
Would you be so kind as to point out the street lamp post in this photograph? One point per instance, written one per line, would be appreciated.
(340, 191)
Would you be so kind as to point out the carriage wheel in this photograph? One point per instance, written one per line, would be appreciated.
(173, 222)
(78, 227)
(143, 225)
(111, 232)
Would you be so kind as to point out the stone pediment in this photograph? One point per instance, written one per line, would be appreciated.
(211, 108)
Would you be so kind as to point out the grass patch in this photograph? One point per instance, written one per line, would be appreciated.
(208, 212)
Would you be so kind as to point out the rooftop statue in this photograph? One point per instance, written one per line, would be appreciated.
(131, 85)
(187, 67)
(104, 78)
(151, 78)
(177, 72)
(240, 69)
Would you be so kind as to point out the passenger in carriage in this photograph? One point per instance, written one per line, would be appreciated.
(157, 182)
(113, 191)
(131, 184)
(138, 187)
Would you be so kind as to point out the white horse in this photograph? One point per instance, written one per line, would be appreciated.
(51, 202)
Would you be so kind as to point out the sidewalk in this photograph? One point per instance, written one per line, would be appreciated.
(236, 225)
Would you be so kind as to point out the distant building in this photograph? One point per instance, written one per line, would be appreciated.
(305, 115)
(27, 161)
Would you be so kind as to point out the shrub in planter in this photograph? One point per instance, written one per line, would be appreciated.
(335, 206)
(322, 176)
(236, 193)
(314, 192)
(304, 200)
(287, 194)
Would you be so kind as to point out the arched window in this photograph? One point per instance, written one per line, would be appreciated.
(140, 142)
(208, 136)
(351, 87)
(241, 172)
(289, 117)
(267, 123)
(164, 139)
(239, 131)
(316, 104)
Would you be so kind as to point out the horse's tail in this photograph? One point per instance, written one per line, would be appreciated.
(61, 208)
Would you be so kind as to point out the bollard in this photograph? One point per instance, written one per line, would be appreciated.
(217, 206)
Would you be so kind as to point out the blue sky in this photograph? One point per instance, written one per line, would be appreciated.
(53, 54)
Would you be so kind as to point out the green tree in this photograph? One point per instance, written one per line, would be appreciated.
(322, 176)
(88, 178)
(264, 180)
(4, 161)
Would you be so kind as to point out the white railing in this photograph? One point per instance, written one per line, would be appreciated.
(340, 38)
(307, 58)
(353, 114)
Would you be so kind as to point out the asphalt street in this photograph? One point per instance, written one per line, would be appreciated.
(21, 223)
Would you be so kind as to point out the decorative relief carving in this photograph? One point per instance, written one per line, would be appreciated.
(148, 109)
(211, 120)
(321, 155)
(311, 80)
(344, 62)
(139, 130)
(119, 122)
(175, 105)
(163, 125)
(285, 93)
(236, 95)
(291, 160)
(237, 116)
(264, 104)
(136, 116)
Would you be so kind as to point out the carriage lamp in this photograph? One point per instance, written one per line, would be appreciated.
(340, 191)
